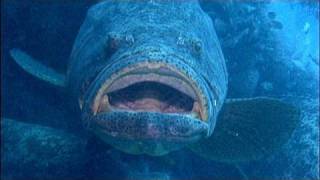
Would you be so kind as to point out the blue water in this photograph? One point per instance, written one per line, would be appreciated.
(271, 50)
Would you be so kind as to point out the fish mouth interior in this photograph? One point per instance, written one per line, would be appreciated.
(150, 88)
(150, 96)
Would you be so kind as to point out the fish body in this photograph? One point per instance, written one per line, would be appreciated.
(150, 78)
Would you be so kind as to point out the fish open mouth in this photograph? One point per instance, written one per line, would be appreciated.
(151, 96)
(151, 87)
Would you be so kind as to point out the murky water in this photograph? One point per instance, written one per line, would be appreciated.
(271, 49)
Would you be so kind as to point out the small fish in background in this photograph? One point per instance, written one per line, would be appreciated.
(306, 27)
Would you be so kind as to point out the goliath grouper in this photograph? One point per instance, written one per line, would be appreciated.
(150, 78)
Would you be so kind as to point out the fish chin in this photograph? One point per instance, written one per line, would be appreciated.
(148, 132)
(135, 147)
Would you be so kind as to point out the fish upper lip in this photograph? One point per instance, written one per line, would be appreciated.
(168, 78)
(154, 72)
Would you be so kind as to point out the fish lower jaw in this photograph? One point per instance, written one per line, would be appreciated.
(150, 126)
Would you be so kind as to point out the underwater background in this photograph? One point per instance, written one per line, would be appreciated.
(271, 49)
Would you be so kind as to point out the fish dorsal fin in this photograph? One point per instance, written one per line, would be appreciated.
(37, 69)
(249, 129)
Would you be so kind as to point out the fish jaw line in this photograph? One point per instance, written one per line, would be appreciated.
(153, 126)
(161, 73)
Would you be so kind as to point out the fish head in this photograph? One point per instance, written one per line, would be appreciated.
(149, 103)
(150, 81)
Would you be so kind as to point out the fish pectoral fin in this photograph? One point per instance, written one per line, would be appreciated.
(249, 129)
(37, 69)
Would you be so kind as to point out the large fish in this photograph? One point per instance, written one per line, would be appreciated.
(150, 78)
